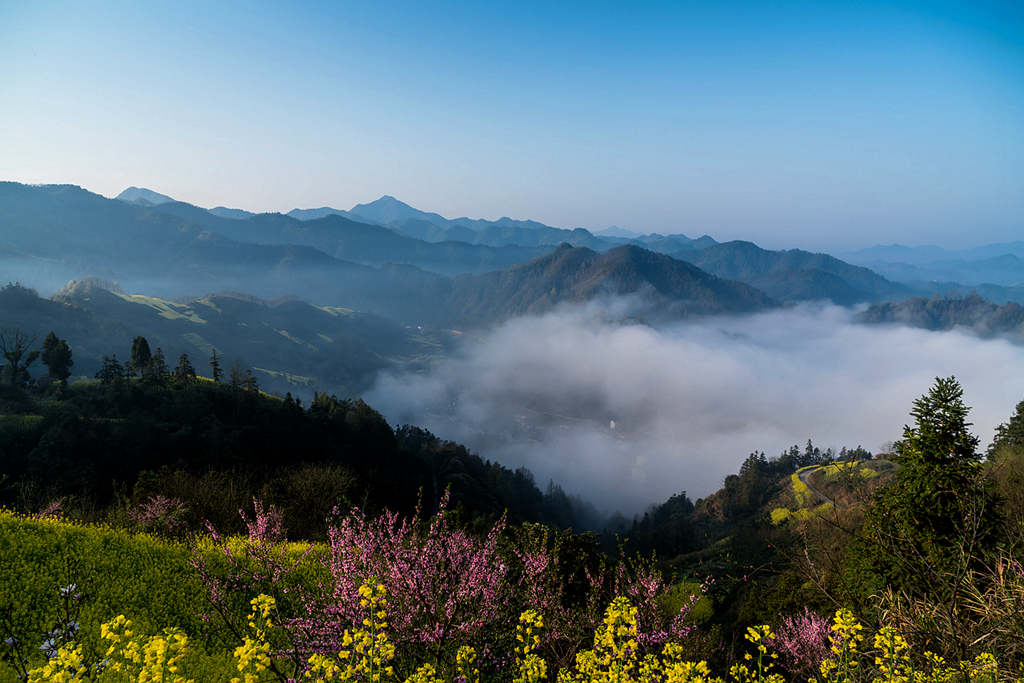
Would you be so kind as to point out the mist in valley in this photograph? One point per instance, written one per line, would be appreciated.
(626, 413)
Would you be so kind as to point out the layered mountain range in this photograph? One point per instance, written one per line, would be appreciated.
(405, 271)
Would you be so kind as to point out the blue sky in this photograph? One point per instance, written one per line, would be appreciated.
(823, 126)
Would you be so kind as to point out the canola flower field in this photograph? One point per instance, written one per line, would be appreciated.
(94, 603)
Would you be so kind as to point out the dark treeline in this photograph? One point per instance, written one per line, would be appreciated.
(186, 437)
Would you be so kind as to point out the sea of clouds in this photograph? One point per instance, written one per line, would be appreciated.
(627, 413)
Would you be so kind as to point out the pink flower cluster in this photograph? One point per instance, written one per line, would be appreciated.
(802, 642)
(444, 587)
(160, 514)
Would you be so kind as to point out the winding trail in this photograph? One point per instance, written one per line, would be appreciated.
(805, 477)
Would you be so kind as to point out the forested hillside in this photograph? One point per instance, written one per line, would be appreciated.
(947, 312)
(217, 445)
(664, 286)
(289, 345)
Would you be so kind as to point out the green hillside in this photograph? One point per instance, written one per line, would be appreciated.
(289, 345)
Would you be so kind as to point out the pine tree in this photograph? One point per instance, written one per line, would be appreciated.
(111, 370)
(250, 383)
(940, 516)
(184, 369)
(1009, 434)
(156, 368)
(218, 373)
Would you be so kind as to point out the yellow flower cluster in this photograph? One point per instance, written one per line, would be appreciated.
(465, 664)
(615, 657)
(253, 655)
(65, 667)
(763, 674)
(531, 667)
(130, 657)
(846, 641)
(892, 659)
(142, 659)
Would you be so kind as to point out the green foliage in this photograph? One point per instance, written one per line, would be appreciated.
(486, 490)
(940, 516)
(215, 448)
(121, 573)
(215, 369)
(56, 357)
(666, 530)
(111, 370)
(141, 355)
(687, 593)
(156, 368)
(1009, 435)
(184, 369)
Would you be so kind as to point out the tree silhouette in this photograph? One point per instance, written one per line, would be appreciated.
(184, 368)
(218, 373)
(15, 346)
(56, 357)
(140, 355)
(1009, 434)
(156, 368)
(111, 370)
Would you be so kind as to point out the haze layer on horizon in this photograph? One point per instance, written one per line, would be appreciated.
(823, 126)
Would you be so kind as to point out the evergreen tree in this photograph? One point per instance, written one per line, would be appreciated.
(140, 355)
(156, 368)
(56, 357)
(184, 370)
(111, 370)
(250, 383)
(218, 373)
(237, 379)
(1009, 434)
(939, 517)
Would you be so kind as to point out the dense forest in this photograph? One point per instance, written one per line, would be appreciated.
(147, 427)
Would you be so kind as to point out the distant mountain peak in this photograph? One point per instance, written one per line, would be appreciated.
(616, 231)
(134, 194)
(388, 209)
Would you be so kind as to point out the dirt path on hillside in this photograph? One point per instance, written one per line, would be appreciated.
(805, 477)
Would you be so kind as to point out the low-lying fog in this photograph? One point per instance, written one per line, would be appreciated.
(627, 414)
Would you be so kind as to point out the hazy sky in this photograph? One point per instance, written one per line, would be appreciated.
(817, 125)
